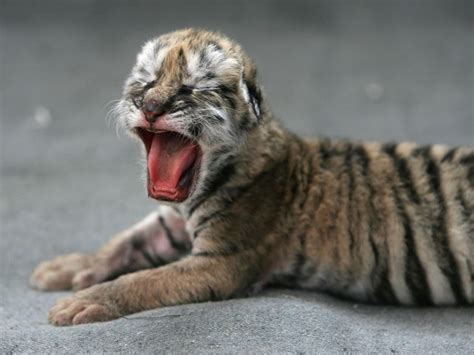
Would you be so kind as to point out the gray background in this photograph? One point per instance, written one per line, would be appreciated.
(374, 69)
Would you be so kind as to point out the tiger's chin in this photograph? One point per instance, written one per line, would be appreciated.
(173, 164)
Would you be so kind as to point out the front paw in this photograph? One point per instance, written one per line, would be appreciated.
(87, 306)
(58, 273)
(66, 272)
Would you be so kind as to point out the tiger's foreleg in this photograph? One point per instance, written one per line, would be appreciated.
(192, 279)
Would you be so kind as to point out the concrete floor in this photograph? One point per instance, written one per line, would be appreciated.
(375, 69)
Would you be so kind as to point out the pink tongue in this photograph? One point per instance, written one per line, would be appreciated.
(169, 156)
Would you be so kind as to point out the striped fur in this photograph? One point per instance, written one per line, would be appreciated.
(380, 223)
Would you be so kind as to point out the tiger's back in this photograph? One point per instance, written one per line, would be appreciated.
(391, 223)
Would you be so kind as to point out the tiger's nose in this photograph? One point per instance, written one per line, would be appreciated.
(152, 110)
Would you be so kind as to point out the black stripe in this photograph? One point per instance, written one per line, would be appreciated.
(185, 90)
(324, 153)
(295, 185)
(227, 93)
(209, 75)
(468, 217)
(438, 230)
(149, 85)
(203, 60)
(195, 129)
(462, 202)
(255, 98)
(349, 169)
(439, 227)
(224, 89)
(201, 224)
(215, 44)
(231, 194)
(138, 243)
(415, 276)
(182, 60)
(154, 260)
(449, 156)
(212, 98)
(214, 118)
(301, 175)
(424, 151)
(216, 181)
(177, 245)
(469, 161)
(470, 176)
(383, 289)
(296, 274)
(197, 232)
(301, 270)
(350, 172)
(171, 105)
(300, 258)
(403, 172)
(228, 196)
(212, 294)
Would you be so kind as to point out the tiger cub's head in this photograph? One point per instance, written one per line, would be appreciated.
(192, 99)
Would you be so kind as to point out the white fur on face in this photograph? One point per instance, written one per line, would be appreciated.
(212, 61)
(149, 61)
(219, 62)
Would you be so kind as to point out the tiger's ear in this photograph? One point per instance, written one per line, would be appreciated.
(255, 99)
(251, 90)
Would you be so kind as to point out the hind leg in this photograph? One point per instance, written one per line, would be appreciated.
(158, 239)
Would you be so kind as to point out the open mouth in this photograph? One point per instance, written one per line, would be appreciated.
(173, 162)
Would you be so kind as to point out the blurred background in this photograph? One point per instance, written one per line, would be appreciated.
(363, 69)
(377, 69)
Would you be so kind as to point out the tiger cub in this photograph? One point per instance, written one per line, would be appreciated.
(245, 203)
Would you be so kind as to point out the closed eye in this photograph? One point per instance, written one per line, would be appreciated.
(185, 90)
(138, 98)
(149, 85)
(206, 88)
